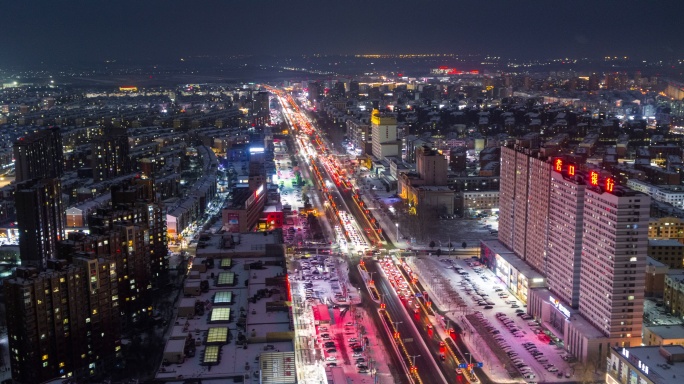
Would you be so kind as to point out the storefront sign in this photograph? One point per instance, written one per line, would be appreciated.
(556, 303)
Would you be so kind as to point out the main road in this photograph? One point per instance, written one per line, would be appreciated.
(430, 368)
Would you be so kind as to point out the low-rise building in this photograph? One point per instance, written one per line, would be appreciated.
(673, 294)
(664, 335)
(668, 252)
(650, 364)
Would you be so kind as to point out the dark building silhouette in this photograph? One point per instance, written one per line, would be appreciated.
(110, 156)
(39, 156)
(40, 217)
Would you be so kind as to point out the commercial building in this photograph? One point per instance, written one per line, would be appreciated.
(228, 328)
(242, 214)
(650, 365)
(384, 135)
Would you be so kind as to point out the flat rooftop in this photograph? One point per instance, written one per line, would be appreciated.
(232, 324)
(659, 370)
(237, 245)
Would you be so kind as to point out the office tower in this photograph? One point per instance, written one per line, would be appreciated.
(110, 156)
(431, 165)
(63, 321)
(39, 156)
(384, 135)
(564, 250)
(353, 88)
(41, 220)
(524, 201)
(614, 248)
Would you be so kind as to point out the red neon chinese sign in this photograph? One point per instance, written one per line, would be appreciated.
(571, 170)
(610, 184)
(558, 165)
(593, 178)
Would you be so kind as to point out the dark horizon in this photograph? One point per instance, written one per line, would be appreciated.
(83, 31)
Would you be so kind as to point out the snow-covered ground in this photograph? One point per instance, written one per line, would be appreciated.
(448, 291)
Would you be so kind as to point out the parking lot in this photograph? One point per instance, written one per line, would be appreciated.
(499, 332)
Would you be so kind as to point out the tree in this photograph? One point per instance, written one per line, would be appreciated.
(432, 244)
(439, 252)
(464, 245)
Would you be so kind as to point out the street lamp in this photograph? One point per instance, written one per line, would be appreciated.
(470, 360)
(397, 224)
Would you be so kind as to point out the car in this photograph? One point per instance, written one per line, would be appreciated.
(357, 349)
(352, 339)
(331, 350)
(329, 344)
(361, 366)
(349, 324)
(360, 360)
(331, 364)
(331, 358)
(488, 307)
(515, 306)
(357, 354)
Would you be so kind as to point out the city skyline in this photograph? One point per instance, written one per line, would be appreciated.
(85, 32)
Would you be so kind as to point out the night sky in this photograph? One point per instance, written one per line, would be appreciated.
(79, 31)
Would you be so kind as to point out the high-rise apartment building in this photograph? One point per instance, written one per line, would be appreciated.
(564, 249)
(39, 156)
(614, 248)
(110, 156)
(63, 321)
(524, 202)
(586, 236)
(140, 224)
(41, 220)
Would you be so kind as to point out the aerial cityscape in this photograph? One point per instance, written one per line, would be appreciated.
(274, 193)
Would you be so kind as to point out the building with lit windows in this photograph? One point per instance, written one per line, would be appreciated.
(614, 248)
(243, 213)
(110, 156)
(564, 249)
(662, 364)
(64, 321)
(40, 218)
(524, 201)
(668, 252)
(384, 135)
(666, 228)
(586, 236)
(673, 293)
(39, 156)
